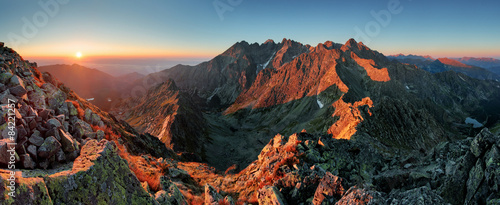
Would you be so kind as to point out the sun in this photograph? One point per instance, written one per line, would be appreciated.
(78, 54)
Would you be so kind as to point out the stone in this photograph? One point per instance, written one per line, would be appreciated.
(60, 156)
(88, 115)
(32, 124)
(61, 118)
(91, 135)
(476, 176)
(212, 197)
(5, 77)
(51, 123)
(43, 163)
(4, 154)
(81, 128)
(45, 114)
(270, 195)
(359, 196)
(49, 147)
(21, 132)
(6, 131)
(27, 162)
(481, 141)
(32, 150)
(100, 135)
(170, 193)
(53, 132)
(68, 143)
(37, 98)
(16, 80)
(56, 97)
(329, 186)
(36, 139)
(6, 97)
(18, 91)
(72, 109)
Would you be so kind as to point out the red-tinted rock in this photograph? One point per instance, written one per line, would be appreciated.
(330, 186)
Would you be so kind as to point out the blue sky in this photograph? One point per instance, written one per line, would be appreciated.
(189, 28)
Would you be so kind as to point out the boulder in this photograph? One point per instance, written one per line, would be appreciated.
(359, 196)
(45, 114)
(270, 195)
(36, 139)
(72, 109)
(5, 77)
(169, 194)
(27, 162)
(28, 191)
(16, 80)
(56, 97)
(6, 97)
(53, 132)
(60, 156)
(212, 197)
(68, 143)
(99, 176)
(32, 150)
(4, 155)
(329, 187)
(53, 123)
(49, 147)
(481, 142)
(18, 91)
(37, 98)
(5, 133)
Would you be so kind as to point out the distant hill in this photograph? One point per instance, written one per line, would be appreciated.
(447, 64)
(91, 83)
(490, 64)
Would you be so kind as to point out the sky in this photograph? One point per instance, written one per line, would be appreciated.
(189, 31)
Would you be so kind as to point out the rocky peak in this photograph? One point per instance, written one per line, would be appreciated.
(269, 41)
(452, 62)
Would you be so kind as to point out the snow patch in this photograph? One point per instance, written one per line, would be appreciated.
(319, 103)
(265, 64)
(90, 99)
(473, 122)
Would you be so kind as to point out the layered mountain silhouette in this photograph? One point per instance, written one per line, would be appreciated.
(480, 68)
(91, 83)
(270, 123)
(491, 64)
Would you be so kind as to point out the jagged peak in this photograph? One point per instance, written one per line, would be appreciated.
(285, 40)
(269, 41)
(351, 42)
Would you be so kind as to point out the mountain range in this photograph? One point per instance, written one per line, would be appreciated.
(480, 68)
(270, 123)
(90, 83)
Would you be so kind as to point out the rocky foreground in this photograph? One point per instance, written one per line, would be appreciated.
(70, 152)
